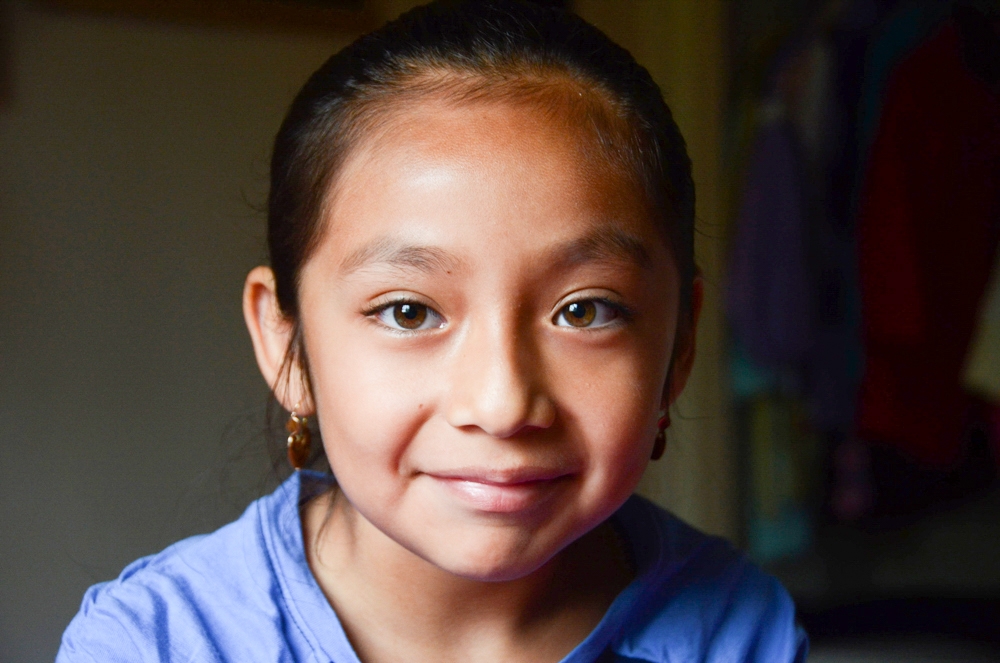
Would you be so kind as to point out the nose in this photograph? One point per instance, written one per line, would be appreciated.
(497, 383)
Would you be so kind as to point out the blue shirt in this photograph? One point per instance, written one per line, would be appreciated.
(245, 593)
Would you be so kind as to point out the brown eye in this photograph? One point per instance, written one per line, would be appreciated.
(580, 314)
(408, 315)
(596, 313)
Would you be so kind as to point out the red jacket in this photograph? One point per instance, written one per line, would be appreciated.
(928, 231)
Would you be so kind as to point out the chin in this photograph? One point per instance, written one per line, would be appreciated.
(494, 563)
(495, 570)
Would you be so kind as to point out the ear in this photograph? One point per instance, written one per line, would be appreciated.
(271, 333)
(684, 347)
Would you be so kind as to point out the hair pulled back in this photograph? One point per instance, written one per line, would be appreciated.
(495, 43)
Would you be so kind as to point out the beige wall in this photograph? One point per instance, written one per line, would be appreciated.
(681, 43)
(132, 156)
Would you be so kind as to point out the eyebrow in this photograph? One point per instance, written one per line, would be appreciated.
(395, 253)
(602, 245)
(599, 245)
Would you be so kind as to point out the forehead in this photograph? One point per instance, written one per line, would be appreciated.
(437, 169)
(566, 104)
(557, 120)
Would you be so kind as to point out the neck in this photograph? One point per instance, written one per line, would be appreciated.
(394, 605)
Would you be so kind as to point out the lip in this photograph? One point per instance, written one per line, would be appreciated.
(502, 491)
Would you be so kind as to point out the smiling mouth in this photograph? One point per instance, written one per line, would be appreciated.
(502, 492)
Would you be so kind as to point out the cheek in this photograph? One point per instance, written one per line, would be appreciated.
(611, 401)
(368, 401)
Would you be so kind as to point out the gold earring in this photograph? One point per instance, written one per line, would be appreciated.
(298, 439)
(660, 442)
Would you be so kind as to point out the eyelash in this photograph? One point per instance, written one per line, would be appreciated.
(622, 313)
(375, 311)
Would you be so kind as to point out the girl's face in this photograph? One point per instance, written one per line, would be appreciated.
(489, 320)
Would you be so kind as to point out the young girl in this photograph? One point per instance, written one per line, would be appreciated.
(482, 297)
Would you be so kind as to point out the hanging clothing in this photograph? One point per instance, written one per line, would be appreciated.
(981, 374)
(769, 297)
(790, 297)
(832, 369)
(904, 30)
(928, 230)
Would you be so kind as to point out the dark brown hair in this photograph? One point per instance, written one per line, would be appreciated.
(484, 49)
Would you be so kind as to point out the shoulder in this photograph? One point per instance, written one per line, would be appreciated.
(178, 605)
(699, 599)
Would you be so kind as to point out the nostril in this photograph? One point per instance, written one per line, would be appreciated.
(501, 410)
(496, 384)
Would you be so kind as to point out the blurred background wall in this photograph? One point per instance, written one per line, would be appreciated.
(133, 162)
